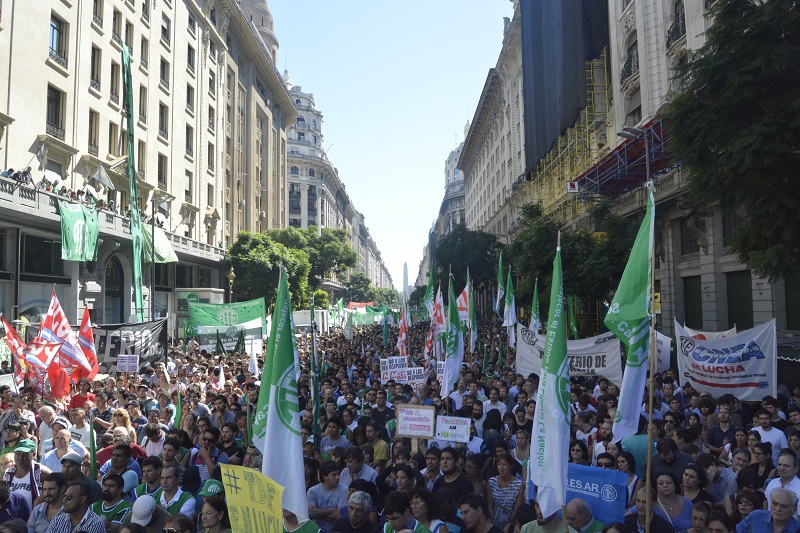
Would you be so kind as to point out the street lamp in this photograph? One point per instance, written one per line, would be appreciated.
(231, 276)
(629, 132)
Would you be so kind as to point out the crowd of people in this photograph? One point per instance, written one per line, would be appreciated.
(718, 465)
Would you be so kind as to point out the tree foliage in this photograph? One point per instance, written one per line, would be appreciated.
(736, 128)
(462, 248)
(329, 252)
(320, 299)
(387, 297)
(255, 259)
(359, 289)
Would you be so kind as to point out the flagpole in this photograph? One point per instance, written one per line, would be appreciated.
(563, 508)
(652, 365)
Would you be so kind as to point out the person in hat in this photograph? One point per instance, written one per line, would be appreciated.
(112, 508)
(147, 514)
(12, 435)
(25, 475)
(77, 516)
(212, 488)
(71, 468)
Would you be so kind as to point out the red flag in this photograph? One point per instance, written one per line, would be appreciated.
(41, 356)
(56, 328)
(17, 347)
(86, 340)
(402, 333)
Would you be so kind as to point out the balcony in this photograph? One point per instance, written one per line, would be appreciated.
(94, 83)
(162, 132)
(115, 97)
(115, 37)
(190, 151)
(93, 150)
(55, 130)
(97, 20)
(162, 183)
(143, 63)
(630, 68)
(164, 84)
(142, 117)
(56, 56)
(677, 30)
(187, 196)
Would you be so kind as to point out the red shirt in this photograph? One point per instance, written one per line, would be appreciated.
(79, 401)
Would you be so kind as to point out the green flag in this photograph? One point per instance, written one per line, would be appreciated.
(428, 298)
(385, 331)
(231, 314)
(92, 449)
(79, 231)
(536, 319)
(454, 344)
(628, 318)
(136, 218)
(278, 412)
(551, 420)
(178, 406)
(163, 252)
(240, 348)
(220, 349)
(510, 312)
(500, 289)
(573, 324)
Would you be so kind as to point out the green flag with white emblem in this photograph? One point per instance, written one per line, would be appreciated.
(79, 231)
(628, 318)
(276, 428)
(454, 344)
(163, 253)
(548, 462)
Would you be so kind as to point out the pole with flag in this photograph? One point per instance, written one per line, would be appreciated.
(536, 318)
(454, 347)
(93, 448)
(386, 330)
(178, 407)
(510, 312)
(473, 317)
(573, 324)
(500, 290)
(428, 298)
(277, 414)
(219, 349)
(548, 464)
(316, 431)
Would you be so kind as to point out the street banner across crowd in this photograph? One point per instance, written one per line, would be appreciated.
(229, 335)
(227, 314)
(604, 490)
(452, 428)
(744, 365)
(253, 499)
(595, 356)
(415, 421)
(708, 335)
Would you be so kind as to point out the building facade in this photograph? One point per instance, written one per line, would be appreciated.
(451, 212)
(62, 97)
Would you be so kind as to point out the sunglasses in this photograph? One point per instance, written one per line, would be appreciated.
(206, 439)
(605, 465)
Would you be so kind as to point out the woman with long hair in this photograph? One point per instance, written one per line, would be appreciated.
(310, 471)
(753, 438)
(503, 491)
(746, 480)
(215, 516)
(472, 470)
(203, 423)
(746, 501)
(425, 510)
(189, 425)
(404, 478)
(694, 479)
(670, 505)
(626, 464)
(739, 441)
(578, 452)
(121, 418)
(762, 462)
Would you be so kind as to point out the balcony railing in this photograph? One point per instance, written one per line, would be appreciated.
(187, 196)
(164, 83)
(55, 130)
(94, 83)
(116, 38)
(142, 117)
(97, 20)
(143, 62)
(190, 151)
(115, 97)
(677, 30)
(630, 68)
(56, 56)
(163, 132)
(93, 149)
(162, 183)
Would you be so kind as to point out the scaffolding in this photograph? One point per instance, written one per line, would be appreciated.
(579, 148)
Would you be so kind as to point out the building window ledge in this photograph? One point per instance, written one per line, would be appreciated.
(57, 67)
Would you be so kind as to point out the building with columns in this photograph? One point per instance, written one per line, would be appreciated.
(211, 113)
(451, 211)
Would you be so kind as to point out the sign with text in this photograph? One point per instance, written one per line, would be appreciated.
(128, 363)
(744, 365)
(452, 428)
(415, 421)
(394, 368)
(604, 490)
(253, 499)
(440, 372)
(415, 375)
(592, 357)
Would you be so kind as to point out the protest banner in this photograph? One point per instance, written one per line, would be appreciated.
(128, 363)
(664, 347)
(604, 490)
(229, 335)
(231, 314)
(253, 499)
(440, 372)
(744, 365)
(709, 335)
(415, 421)
(394, 368)
(415, 375)
(592, 357)
(452, 428)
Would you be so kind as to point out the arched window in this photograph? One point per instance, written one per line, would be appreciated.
(294, 171)
(301, 121)
(311, 172)
(313, 123)
(297, 102)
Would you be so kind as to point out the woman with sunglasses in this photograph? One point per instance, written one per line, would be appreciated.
(671, 424)
(745, 502)
(578, 452)
(746, 480)
(626, 464)
(121, 418)
(762, 465)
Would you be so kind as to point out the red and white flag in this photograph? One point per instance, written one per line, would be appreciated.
(86, 341)
(17, 347)
(402, 333)
(56, 328)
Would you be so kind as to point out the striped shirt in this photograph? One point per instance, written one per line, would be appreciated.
(90, 523)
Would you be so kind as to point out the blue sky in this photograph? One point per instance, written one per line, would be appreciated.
(396, 83)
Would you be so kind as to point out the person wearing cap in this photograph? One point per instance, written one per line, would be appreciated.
(76, 516)
(25, 475)
(53, 487)
(147, 514)
(173, 499)
(212, 488)
(12, 435)
(71, 468)
(112, 508)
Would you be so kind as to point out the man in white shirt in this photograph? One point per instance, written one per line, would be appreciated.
(771, 434)
(494, 402)
(787, 476)
(80, 429)
(457, 396)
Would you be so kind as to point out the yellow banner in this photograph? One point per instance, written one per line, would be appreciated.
(254, 500)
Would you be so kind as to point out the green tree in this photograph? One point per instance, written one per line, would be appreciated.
(415, 298)
(736, 128)
(359, 289)
(320, 299)
(329, 252)
(387, 297)
(462, 248)
(255, 258)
